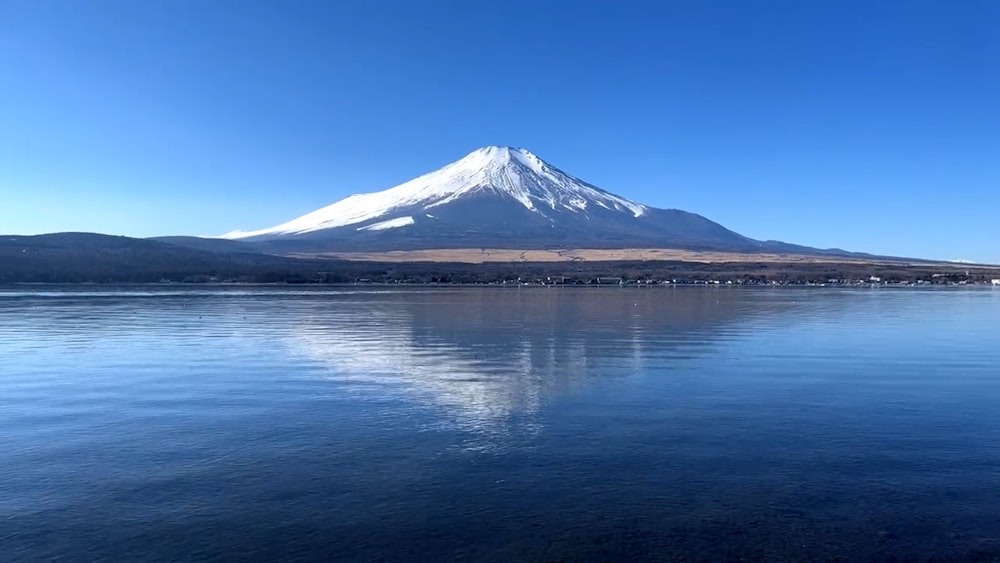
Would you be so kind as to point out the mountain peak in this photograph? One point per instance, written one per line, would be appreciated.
(499, 156)
(509, 173)
(500, 150)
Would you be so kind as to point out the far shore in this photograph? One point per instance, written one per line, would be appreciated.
(507, 255)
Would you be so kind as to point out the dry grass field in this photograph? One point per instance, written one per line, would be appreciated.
(488, 255)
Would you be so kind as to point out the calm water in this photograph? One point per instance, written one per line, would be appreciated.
(499, 424)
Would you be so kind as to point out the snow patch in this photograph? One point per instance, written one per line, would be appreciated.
(390, 224)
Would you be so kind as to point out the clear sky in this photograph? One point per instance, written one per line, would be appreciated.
(864, 125)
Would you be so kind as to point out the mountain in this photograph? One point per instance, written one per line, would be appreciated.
(92, 257)
(497, 197)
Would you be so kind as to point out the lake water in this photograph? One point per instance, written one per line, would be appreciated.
(499, 424)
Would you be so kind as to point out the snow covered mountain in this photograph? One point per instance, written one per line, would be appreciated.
(496, 197)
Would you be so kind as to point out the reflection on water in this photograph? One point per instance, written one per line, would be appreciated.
(490, 358)
(499, 424)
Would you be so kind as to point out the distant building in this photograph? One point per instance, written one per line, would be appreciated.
(995, 282)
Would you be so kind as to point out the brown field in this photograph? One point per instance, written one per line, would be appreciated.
(486, 255)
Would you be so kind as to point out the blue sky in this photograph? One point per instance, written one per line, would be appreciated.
(870, 125)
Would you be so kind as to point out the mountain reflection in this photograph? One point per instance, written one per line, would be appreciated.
(489, 359)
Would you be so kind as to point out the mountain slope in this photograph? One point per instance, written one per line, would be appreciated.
(494, 197)
(92, 257)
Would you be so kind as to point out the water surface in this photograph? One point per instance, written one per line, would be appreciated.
(146, 423)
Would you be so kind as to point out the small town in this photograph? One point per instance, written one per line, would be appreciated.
(873, 281)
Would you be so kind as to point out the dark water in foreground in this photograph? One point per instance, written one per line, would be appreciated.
(499, 424)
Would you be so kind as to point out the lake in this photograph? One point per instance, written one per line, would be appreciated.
(499, 424)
